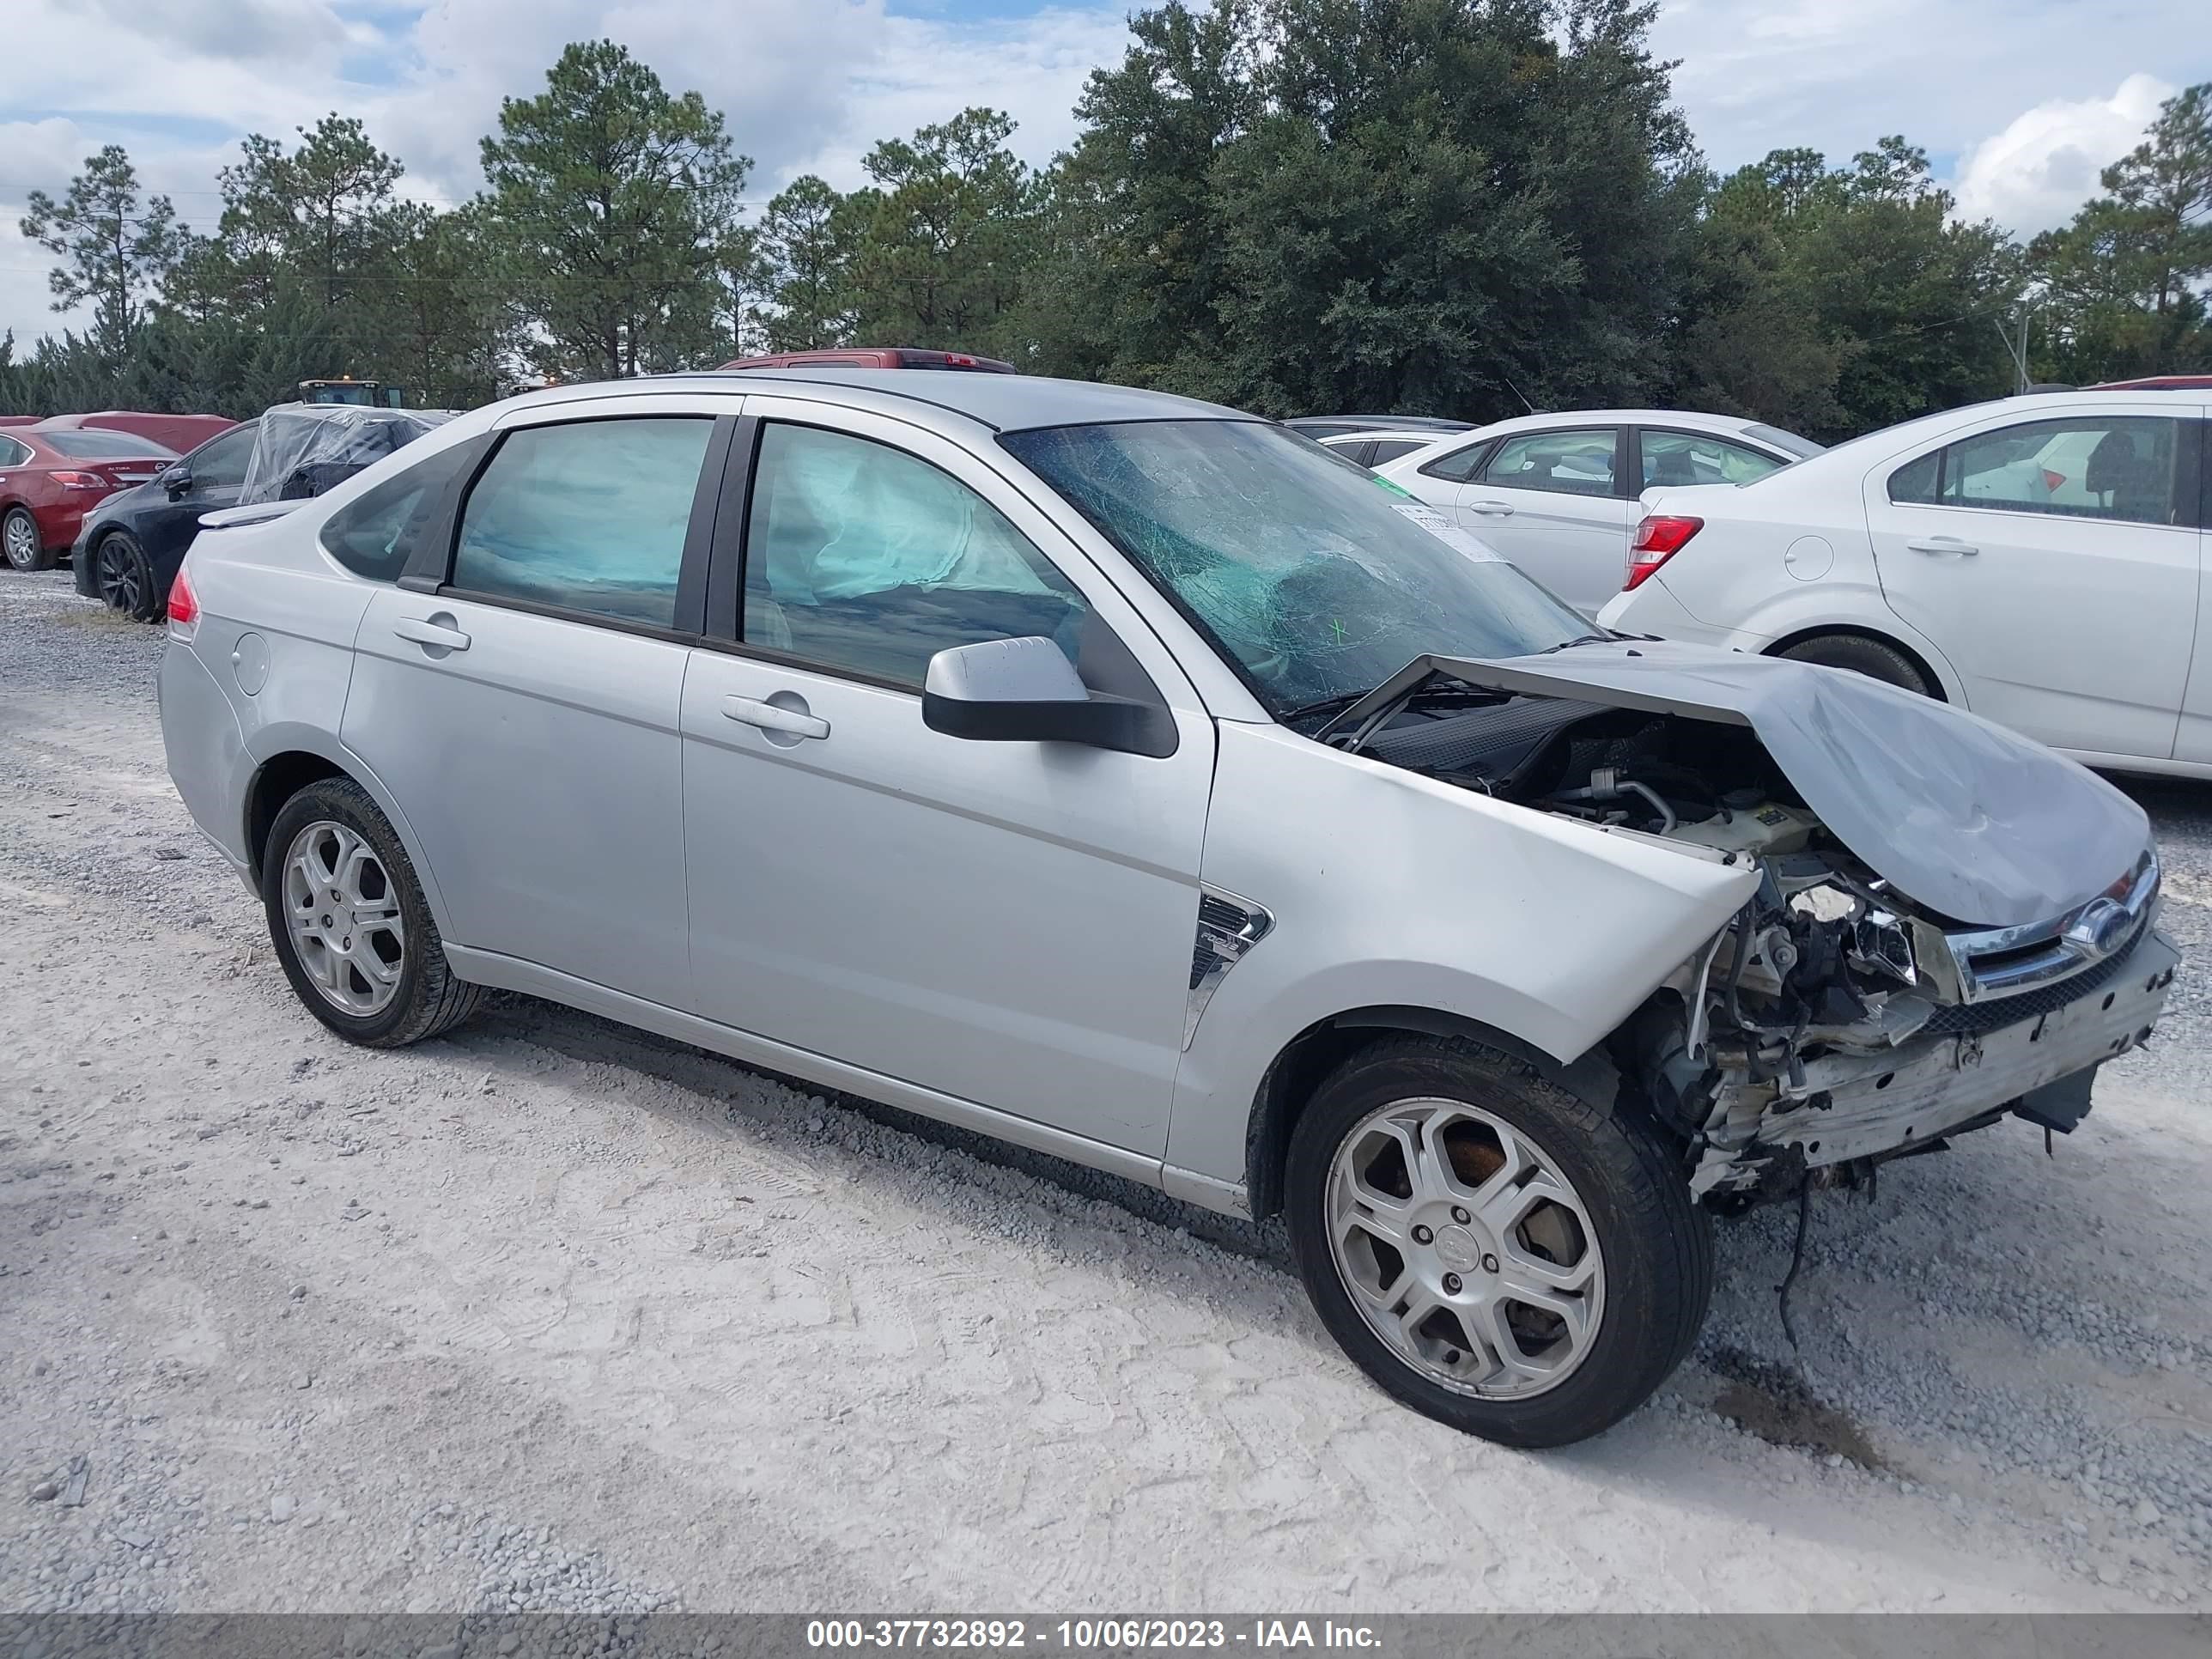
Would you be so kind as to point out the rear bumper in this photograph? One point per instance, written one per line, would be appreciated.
(1861, 1106)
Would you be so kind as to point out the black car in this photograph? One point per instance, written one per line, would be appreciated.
(132, 543)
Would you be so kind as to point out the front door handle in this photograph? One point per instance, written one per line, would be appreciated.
(430, 631)
(792, 722)
(1944, 544)
(1491, 509)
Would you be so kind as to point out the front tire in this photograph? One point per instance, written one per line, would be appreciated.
(350, 925)
(19, 540)
(1491, 1249)
(125, 580)
(1860, 654)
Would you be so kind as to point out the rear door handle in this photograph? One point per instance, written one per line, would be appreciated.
(793, 722)
(425, 630)
(1944, 544)
(1491, 509)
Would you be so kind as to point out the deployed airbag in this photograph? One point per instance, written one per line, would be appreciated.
(1960, 815)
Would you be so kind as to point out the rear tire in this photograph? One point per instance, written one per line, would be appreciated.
(1633, 1248)
(21, 541)
(125, 579)
(1860, 654)
(333, 826)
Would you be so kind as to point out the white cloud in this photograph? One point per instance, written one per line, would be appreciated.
(808, 85)
(2045, 164)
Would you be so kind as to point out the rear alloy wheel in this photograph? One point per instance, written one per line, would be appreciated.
(1877, 660)
(124, 578)
(1493, 1250)
(21, 542)
(350, 922)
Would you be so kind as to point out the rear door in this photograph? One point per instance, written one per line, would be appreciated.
(1551, 503)
(2054, 561)
(520, 699)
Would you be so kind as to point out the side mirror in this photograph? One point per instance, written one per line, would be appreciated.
(1026, 690)
(177, 479)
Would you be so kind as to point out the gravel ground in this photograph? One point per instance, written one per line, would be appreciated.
(554, 1316)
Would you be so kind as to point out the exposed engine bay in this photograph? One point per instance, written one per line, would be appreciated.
(1836, 1022)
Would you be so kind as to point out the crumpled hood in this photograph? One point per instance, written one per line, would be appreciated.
(1960, 815)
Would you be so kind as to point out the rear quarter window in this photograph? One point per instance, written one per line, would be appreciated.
(374, 534)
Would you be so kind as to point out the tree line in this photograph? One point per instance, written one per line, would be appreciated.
(1451, 207)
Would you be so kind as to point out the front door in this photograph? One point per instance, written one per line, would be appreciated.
(1550, 503)
(524, 713)
(165, 528)
(2055, 562)
(1009, 924)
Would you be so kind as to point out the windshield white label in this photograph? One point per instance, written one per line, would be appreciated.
(1445, 530)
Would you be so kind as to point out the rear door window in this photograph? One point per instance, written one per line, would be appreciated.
(1575, 462)
(590, 516)
(1700, 458)
(1389, 449)
(2094, 466)
(13, 453)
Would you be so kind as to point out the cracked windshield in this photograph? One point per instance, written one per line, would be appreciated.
(1316, 580)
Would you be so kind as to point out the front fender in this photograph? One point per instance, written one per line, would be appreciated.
(1387, 888)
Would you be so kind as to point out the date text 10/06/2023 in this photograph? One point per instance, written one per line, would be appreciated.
(1087, 1634)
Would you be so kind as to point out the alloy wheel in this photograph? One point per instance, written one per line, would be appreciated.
(21, 535)
(117, 575)
(342, 913)
(1464, 1248)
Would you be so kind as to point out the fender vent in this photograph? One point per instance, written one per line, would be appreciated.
(1228, 926)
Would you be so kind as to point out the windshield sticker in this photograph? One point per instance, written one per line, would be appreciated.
(1450, 533)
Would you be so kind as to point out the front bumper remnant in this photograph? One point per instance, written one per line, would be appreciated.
(1863, 1106)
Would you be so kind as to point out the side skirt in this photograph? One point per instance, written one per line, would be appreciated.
(511, 973)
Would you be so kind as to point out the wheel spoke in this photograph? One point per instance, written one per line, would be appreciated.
(336, 926)
(1493, 1235)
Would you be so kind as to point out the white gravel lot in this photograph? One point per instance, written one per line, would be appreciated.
(550, 1315)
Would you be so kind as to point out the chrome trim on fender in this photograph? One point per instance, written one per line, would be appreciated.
(1228, 926)
(2004, 962)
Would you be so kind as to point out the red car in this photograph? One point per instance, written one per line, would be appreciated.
(178, 432)
(875, 357)
(49, 480)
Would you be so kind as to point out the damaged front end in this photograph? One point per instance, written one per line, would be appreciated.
(1951, 923)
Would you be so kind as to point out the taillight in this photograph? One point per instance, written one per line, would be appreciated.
(184, 608)
(79, 480)
(2052, 480)
(1658, 538)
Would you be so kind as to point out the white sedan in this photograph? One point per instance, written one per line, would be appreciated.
(1556, 493)
(1372, 449)
(2035, 559)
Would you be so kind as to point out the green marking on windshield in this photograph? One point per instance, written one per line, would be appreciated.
(1395, 490)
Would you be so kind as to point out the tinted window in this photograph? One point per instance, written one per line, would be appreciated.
(221, 462)
(1313, 578)
(1570, 463)
(1698, 458)
(13, 453)
(1389, 449)
(863, 558)
(590, 516)
(88, 445)
(2092, 466)
(1914, 482)
(1460, 464)
(374, 534)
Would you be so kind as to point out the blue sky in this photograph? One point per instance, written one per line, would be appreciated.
(2019, 101)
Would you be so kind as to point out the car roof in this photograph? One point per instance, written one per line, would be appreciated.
(1386, 434)
(1579, 417)
(1004, 403)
